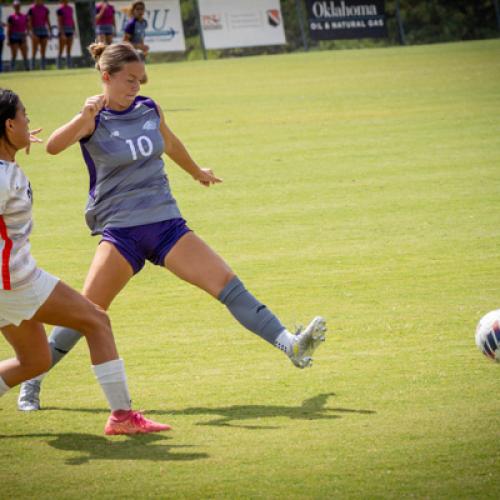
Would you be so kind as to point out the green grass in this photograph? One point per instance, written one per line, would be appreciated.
(361, 185)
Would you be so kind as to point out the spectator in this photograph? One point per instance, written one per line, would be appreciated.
(39, 26)
(17, 30)
(105, 22)
(66, 25)
(135, 30)
(2, 38)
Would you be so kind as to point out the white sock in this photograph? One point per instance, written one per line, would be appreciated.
(284, 341)
(111, 376)
(3, 387)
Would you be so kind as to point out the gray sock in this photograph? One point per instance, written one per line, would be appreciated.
(253, 315)
(61, 341)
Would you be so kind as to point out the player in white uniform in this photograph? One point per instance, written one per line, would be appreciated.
(30, 296)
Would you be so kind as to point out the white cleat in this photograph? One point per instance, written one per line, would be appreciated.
(307, 341)
(29, 396)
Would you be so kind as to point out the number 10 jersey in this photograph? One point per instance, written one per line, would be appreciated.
(128, 183)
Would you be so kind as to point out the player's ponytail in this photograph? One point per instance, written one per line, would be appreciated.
(9, 102)
(112, 58)
(96, 50)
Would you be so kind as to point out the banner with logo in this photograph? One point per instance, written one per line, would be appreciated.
(164, 32)
(53, 44)
(330, 20)
(241, 23)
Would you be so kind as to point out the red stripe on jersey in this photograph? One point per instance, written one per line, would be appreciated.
(5, 254)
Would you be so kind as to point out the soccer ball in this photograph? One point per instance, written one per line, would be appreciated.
(488, 335)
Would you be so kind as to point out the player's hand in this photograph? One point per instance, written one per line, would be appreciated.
(206, 177)
(33, 138)
(92, 106)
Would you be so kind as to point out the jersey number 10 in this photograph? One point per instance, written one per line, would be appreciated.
(144, 145)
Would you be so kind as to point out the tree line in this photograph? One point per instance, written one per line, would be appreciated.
(424, 21)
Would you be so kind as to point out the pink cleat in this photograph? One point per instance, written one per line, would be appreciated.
(132, 422)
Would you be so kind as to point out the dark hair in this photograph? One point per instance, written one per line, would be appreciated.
(9, 102)
(129, 11)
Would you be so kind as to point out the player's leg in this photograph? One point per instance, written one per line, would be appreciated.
(32, 353)
(35, 42)
(107, 276)
(24, 51)
(192, 260)
(13, 55)
(60, 50)
(67, 307)
(69, 45)
(43, 50)
(1, 54)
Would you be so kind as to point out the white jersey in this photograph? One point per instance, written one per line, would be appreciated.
(18, 267)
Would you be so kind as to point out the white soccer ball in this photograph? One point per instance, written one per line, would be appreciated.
(488, 335)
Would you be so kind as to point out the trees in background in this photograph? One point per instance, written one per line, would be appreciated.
(425, 21)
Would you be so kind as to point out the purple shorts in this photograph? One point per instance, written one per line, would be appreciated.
(147, 242)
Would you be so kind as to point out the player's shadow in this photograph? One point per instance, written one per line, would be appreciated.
(91, 447)
(311, 409)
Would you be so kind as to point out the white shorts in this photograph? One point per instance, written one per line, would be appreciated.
(22, 303)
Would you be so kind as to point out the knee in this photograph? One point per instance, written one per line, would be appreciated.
(97, 322)
(102, 321)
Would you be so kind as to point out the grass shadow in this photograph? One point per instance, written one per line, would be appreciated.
(92, 447)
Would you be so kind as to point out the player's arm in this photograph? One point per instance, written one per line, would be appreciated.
(30, 24)
(177, 152)
(47, 21)
(128, 31)
(60, 25)
(82, 125)
(9, 30)
(100, 12)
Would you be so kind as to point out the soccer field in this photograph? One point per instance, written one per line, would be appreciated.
(361, 185)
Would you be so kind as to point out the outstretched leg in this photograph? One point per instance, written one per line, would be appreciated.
(192, 260)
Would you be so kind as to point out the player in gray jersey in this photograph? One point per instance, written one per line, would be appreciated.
(29, 296)
(122, 137)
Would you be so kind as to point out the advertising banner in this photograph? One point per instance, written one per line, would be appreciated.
(53, 44)
(164, 32)
(241, 23)
(330, 20)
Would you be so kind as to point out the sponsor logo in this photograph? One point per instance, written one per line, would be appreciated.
(115, 133)
(331, 9)
(273, 17)
(211, 22)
